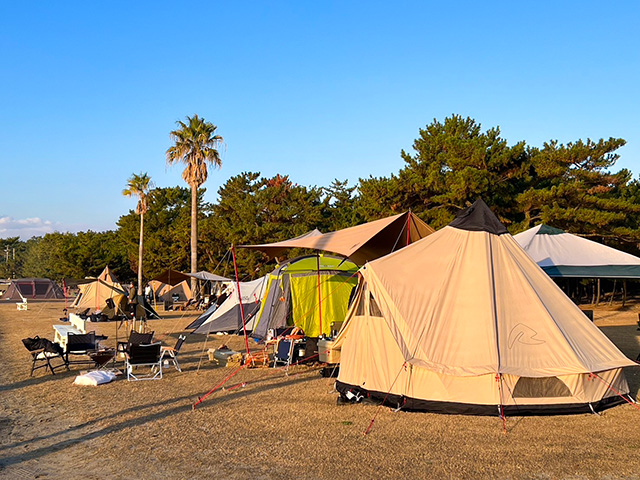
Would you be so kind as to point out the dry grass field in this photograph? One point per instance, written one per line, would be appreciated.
(278, 426)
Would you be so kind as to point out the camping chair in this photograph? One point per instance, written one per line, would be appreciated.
(42, 352)
(80, 344)
(170, 354)
(135, 338)
(283, 351)
(141, 355)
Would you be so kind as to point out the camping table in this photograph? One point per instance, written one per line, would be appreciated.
(62, 332)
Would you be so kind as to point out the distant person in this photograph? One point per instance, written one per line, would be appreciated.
(148, 293)
(132, 301)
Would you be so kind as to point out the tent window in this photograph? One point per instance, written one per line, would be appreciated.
(374, 310)
(25, 288)
(546, 387)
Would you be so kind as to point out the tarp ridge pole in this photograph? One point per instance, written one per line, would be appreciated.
(408, 228)
(244, 326)
(319, 293)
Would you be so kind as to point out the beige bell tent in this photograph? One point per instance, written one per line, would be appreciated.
(464, 321)
(99, 293)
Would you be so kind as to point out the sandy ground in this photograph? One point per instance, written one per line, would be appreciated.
(278, 426)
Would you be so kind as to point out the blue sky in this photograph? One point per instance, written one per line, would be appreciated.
(315, 90)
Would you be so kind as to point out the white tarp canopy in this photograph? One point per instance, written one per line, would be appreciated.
(562, 254)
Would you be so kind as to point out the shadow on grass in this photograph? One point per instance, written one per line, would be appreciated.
(78, 436)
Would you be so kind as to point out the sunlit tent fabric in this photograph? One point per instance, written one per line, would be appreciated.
(292, 295)
(95, 292)
(464, 321)
(228, 316)
(561, 254)
(361, 243)
(277, 249)
(32, 288)
(166, 293)
(170, 283)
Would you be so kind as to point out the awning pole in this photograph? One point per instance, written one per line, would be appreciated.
(408, 228)
(235, 269)
(319, 293)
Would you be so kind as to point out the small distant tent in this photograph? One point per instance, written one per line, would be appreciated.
(465, 322)
(170, 283)
(294, 291)
(32, 288)
(227, 317)
(561, 254)
(181, 292)
(359, 244)
(101, 293)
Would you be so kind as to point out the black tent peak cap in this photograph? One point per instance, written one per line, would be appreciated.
(479, 218)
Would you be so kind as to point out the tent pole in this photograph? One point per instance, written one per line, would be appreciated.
(319, 292)
(408, 228)
(598, 292)
(235, 269)
(613, 293)
(624, 292)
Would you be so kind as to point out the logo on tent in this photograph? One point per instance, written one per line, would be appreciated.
(525, 335)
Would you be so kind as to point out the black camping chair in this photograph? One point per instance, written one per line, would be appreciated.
(43, 351)
(82, 344)
(170, 354)
(135, 338)
(141, 355)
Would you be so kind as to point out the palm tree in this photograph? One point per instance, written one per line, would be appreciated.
(196, 146)
(139, 186)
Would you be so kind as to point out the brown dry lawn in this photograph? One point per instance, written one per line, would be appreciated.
(278, 426)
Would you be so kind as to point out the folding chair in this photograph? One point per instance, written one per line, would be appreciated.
(141, 355)
(42, 352)
(283, 352)
(135, 338)
(170, 354)
(81, 344)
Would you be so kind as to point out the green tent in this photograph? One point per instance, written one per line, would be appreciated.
(293, 296)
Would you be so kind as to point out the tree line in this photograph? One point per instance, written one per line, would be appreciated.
(452, 163)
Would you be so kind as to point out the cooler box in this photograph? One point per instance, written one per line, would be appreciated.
(327, 353)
